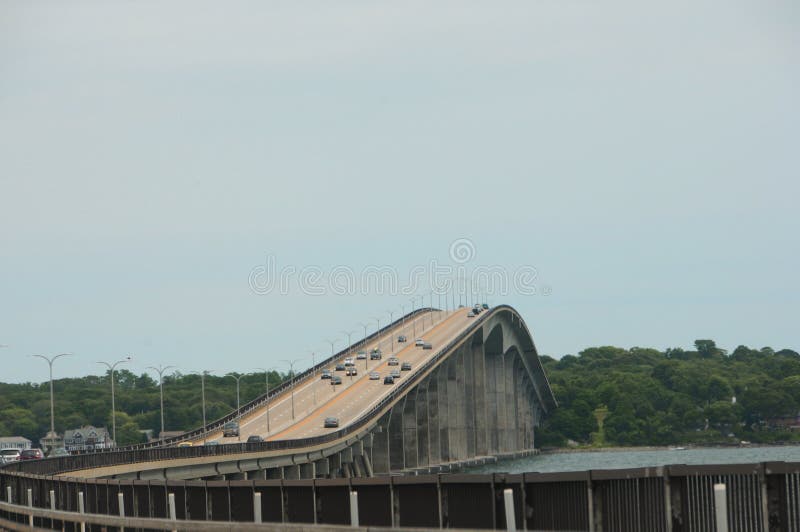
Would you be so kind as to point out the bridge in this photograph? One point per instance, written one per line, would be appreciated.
(478, 392)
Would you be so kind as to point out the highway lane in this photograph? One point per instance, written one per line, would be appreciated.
(312, 393)
(349, 404)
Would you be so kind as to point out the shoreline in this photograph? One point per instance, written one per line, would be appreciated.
(676, 448)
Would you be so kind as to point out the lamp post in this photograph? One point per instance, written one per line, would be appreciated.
(203, 397)
(238, 379)
(332, 343)
(266, 382)
(111, 368)
(366, 360)
(291, 374)
(160, 370)
(349, 341)
(413, 319)
(378, 330)
(52, 401)
(391, 334)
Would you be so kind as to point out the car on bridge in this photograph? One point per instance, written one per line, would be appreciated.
(427, 345)
(395, 373)
(31, 454)
(349, 362)
(388, 379)
(326, 374)
(402, 338)
(362, 355)
(58, 451)
(230, 429)
(406, 366)
(419, 342)
(374, 376)
(485, 306)
(351, 372)
(331, 422)
(340, 367)
(471, 313)
(393, 361)
(375, 355)
(336, 380)
(255, 438)
(9, 455)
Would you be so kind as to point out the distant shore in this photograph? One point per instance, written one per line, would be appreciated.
(567, 450)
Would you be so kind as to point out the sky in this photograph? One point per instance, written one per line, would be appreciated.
(631, 169)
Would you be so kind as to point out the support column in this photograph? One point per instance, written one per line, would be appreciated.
(444, 414)
(468, 365)
(423, 424)
(479, 392)
(434, 422)
(380, 446)
(396, 451)
(410, 442)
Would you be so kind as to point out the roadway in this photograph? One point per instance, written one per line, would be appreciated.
(316, 399)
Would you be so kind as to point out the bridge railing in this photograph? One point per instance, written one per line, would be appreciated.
(135, 454)
(263, 399)
(759, 496)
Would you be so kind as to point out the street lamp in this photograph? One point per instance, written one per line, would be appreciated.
(238, 378)
(332, 343)
(111, 368)
(349, 341)
(160, 370)
(52, 402)
(266, 381)
(291, 374)
(378, 330)
(366, 360)
(413, 318)
(391, 334)
(203, 397)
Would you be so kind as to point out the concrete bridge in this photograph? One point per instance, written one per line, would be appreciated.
(479, 392)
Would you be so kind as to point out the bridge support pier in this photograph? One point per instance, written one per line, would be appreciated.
(306, 471)
(291, 472)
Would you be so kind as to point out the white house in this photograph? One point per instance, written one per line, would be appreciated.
(15, 442)
(87, 439)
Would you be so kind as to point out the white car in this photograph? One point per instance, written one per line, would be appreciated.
(419, 342)
(349, 361)
(9, 455)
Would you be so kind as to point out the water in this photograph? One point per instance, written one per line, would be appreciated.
(584, 460)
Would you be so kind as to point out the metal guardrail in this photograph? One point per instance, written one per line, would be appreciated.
(758, 497)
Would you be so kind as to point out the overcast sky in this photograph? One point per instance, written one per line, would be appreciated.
(642, 158)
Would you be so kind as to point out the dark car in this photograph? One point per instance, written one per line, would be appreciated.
(336, 380)
(427, 345)
(58, 451)
(326, 374)
(331, 422)
(393, 361)
(375, 356)
(388, 379)
(255, 438)
(31, 454)
(402, 338)
(340, 367)
(230, 429)
(406, 366)
(485, 306)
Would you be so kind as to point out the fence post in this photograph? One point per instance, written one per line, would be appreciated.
(721, 507)
(257, 507)
(172, 514)
(511, 519)
(30, 505)
(9, 498)
(353, 508)
(80, 510)
(53, 500)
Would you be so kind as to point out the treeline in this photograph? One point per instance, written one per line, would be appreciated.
(25, 408)
(644, 396)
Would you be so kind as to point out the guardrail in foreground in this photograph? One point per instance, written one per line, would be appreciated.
(678, 498)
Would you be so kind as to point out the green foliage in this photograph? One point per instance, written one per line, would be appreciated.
(25, 408)
(672, 396)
